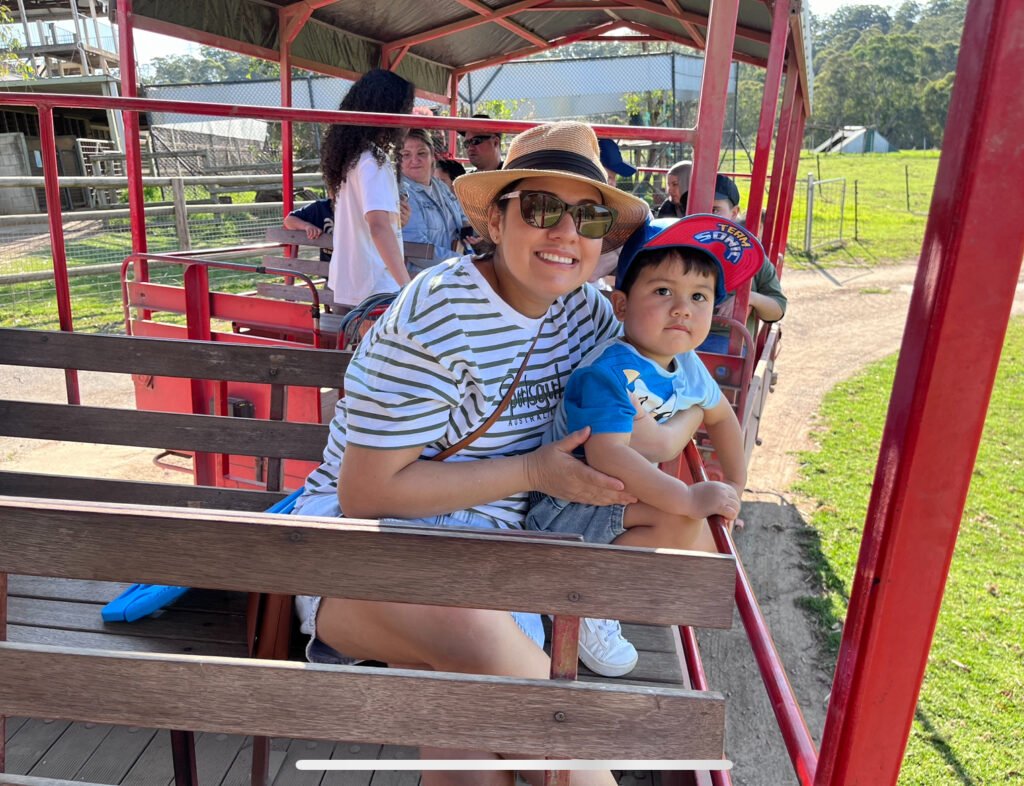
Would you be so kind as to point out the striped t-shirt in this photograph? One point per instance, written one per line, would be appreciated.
(439, 362)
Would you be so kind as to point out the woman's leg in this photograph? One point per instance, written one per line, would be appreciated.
(468, 641)
(646, 525)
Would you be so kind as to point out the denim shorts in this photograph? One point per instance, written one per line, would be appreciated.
(596, 523)
(307, 606)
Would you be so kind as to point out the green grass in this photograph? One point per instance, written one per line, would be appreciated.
(886, 231)
(972, 701)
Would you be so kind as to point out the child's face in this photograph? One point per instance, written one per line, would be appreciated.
(667, 312)
(723, 207)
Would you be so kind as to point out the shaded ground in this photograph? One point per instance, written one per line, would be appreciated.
(838, 321)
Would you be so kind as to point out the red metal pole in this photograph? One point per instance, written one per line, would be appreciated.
(789, 183)
(776, 189)
(453, 111)
(769, 103)
(959, 310)
(791, 721)
(714, 90)
(287, 162)
(51, 182)
(132, 147)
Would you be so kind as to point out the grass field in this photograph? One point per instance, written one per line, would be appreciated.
(971, 706)
(884, 229)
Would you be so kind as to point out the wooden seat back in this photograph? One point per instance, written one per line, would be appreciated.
(348, 558)
(268, 438)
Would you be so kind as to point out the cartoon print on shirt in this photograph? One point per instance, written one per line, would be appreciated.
(651, 402)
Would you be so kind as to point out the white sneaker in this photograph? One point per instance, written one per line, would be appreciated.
(603, 650)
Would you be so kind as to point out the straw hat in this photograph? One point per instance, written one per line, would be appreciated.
(565, 149)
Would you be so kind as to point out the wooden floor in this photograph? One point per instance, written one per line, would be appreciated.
(57, 611)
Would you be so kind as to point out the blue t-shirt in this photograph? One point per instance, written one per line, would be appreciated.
(597, 394)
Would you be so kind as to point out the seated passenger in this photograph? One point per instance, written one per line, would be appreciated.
(678, 183)
(315, 219)
(670, 275)
(446, 171)
(435, 216)
(767, 302)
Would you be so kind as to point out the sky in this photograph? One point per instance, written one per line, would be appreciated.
(151, 45)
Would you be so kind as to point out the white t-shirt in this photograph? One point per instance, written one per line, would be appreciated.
(357, 268)
(438, 363)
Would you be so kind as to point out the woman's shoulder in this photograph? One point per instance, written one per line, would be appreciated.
(447, 287)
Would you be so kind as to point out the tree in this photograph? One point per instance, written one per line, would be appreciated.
(212, 65)
(10, 64)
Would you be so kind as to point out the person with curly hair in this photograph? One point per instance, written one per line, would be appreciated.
(357, 167)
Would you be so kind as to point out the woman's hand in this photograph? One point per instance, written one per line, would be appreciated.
(553, 470)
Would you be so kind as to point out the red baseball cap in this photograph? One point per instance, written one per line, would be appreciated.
(738, 254)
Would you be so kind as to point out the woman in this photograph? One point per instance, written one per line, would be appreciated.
(356, 162)
(434, 213)
(458, 335)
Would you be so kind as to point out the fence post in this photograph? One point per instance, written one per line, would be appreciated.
(180, 213)
(809, 220)
(856, 201)
(842, 210)
(906, 177)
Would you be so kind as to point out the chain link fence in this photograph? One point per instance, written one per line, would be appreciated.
(825, 202)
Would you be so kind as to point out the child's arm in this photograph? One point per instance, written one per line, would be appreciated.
(611, 453)
(383, 235)
(664, 441)
(726, 436)
(292, 221)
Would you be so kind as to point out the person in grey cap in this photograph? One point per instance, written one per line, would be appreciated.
(678, 180)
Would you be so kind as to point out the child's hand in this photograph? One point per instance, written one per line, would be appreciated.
(313, 232)
(712, 498)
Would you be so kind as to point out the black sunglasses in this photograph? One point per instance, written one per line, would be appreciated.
(478, 140)
(542, 210)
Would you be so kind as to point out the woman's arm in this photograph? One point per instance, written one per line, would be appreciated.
(376, 483)
(384, 238)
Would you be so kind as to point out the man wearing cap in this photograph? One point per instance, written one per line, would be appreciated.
(614, 166)
(678, 179)
(482, 149)
(767, 301)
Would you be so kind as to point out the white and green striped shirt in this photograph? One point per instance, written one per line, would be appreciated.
(439, 362)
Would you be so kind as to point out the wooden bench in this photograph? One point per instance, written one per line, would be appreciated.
(314, 268)
(273, 556)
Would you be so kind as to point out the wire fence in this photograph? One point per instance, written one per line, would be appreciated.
(824, 213)
(96, 244)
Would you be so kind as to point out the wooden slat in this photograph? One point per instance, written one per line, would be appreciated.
(28, 780)
(297, 293)
(168, 430)
(67, 755)
(295, 555)
(206, 601)
(111, 761)
(172, 358)
(172, 623)
(273, 698)
(311, 267)
(296, 237)
(29, 484)
(125, 643)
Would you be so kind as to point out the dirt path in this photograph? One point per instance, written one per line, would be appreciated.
(837, 322)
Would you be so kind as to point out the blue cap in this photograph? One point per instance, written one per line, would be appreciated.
(611, 158)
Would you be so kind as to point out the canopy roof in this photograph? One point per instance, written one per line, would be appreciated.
(429, 41)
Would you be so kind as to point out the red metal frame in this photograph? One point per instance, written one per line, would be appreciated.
(960, 308)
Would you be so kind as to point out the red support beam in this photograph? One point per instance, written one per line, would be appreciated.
(961, 304)
(132, 146)
(789, 176)
(769, 107)
(750, 34)
(660, 35)
(291, 20)
(714, 90)
(689, 26)
(532, 50)
(48, 150)
(500, 19)
(778, 162)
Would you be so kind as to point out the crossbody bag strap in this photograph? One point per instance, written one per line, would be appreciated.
(502, 406)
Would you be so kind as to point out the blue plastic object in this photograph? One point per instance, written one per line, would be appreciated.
(141, 600)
